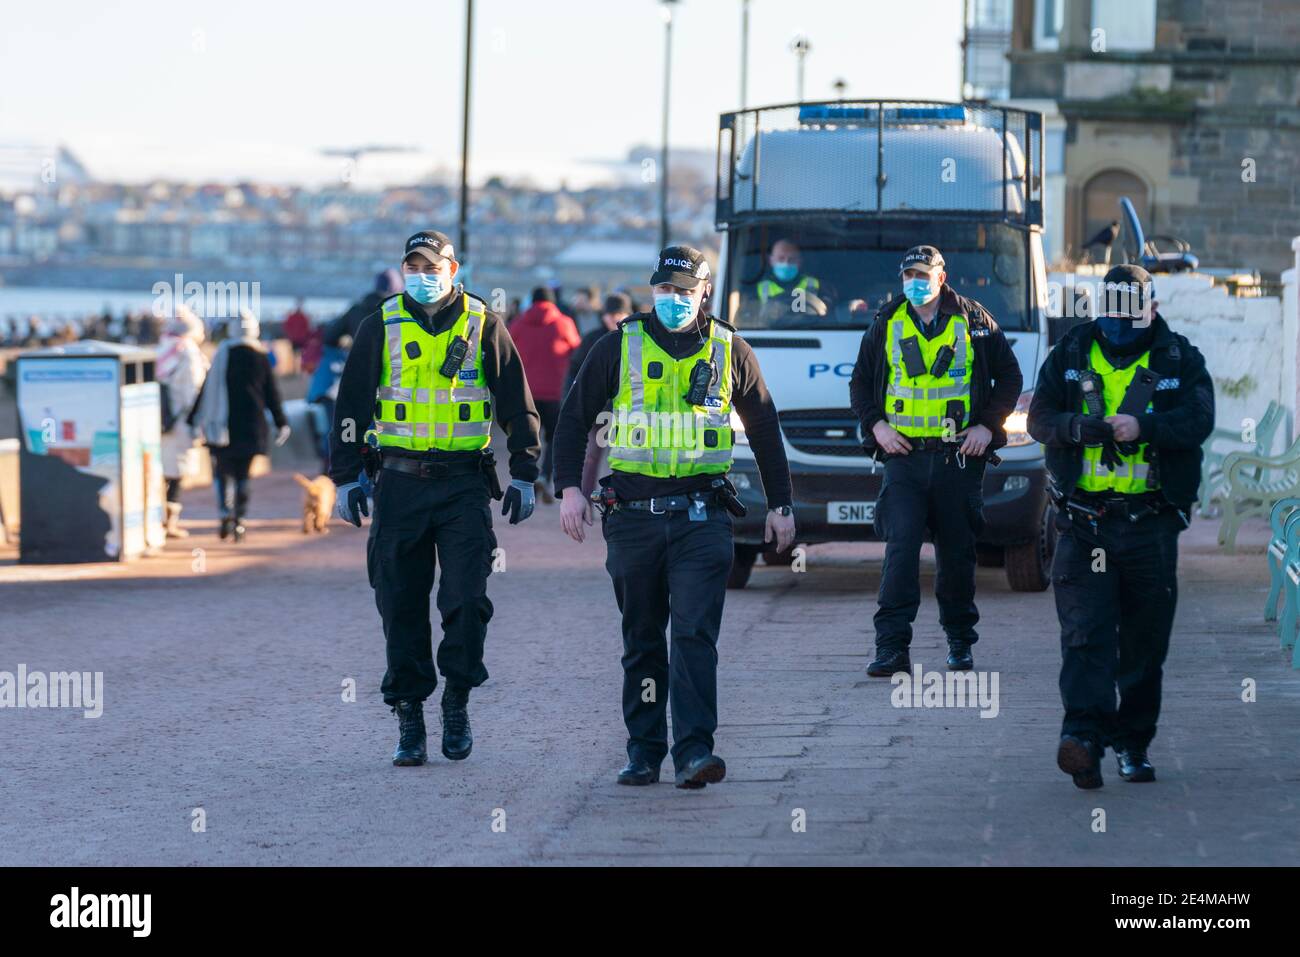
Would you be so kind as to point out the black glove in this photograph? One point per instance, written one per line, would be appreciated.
(1090, 430)
(1110, 456)
(351, 504)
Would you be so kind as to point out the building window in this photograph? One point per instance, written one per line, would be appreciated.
(1049, 19)
(1125, 24)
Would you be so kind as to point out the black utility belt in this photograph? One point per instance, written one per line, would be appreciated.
(432, 468)
(661, 505)
(1131, 507)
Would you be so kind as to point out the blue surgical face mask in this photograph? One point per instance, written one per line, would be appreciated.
(785, 271)
(1119, 332)
(674, 310)
(918, 291)
(425, 287)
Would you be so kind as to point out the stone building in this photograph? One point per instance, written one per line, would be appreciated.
(1189, 107)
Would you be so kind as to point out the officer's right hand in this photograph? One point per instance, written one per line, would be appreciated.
(890, 439)
(350, 503)
(575, 511)
(1090, 430)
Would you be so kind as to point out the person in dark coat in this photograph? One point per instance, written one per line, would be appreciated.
(230, 415)
(387, 283)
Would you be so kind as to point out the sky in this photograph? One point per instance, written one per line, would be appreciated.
(177, 89)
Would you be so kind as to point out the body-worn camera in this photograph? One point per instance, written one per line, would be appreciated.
(913, 361)
(942, 360)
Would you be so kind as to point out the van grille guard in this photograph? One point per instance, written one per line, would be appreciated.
(900, 154)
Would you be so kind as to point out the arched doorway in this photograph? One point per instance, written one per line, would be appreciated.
(1101, 197)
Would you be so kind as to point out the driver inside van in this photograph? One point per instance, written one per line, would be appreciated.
(784, 273)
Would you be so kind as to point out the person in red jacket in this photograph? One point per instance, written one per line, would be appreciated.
(545, 337)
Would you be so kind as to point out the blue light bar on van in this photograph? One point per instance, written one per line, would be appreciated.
(894, 114)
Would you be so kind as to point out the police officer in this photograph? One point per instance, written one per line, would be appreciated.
(1122, 405)
(428, 371)
(785, 272)
(934, 381)
(671, 379)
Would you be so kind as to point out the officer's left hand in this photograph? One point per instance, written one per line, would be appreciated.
(282, 436)
(781, 528)
(519, 501)
(975, 440)
(1125, 426)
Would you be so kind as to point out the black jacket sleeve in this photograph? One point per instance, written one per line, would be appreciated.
(512, 399)
(1189, 424)
(593, 387)
(1049, 419)
(753, 403)
(271, 395)
(355, 406)
(865, 387)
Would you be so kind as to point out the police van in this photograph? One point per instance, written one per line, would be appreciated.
(844, 189)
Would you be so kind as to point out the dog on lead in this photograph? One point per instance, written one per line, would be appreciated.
(317, 503)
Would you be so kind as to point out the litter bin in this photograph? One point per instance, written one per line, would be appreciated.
(90, 468)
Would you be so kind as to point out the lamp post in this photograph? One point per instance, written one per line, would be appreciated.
(663, 154)
(462, 238)
(744, 53)
(800, 47)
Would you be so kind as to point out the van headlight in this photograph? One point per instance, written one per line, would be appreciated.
(1017, 423)
(738, 431)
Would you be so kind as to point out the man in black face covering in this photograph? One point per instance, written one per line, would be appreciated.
(1122, 405)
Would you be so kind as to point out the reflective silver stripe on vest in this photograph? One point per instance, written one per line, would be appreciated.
(708, 458)
(447, 430)
(916, 421)
(632, 454)
(396, 394)
(721, 337)
(406, 429)
(1096, 468)
(393, 336)
(636, 385)
(474, 328)
(468, 393)
(962, 330)
(896, 350)
(943, 392)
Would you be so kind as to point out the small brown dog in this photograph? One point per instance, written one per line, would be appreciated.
(317, 504)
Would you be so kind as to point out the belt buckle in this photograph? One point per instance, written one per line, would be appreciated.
(431, 469)
(654, 511)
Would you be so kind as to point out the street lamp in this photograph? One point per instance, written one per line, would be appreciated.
(800, 47)
(462, 239)
(744, 53)
(663, 155)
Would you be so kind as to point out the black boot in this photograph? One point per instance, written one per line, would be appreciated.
(709, 769)
(456, 738)
(889, 661)
(227, 526)
(1134, 766)
(411, 741)
(959, 656)
(639, 772)
(1081, 759)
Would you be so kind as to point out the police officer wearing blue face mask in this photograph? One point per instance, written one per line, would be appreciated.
(934, 382)
(1123, 405)
(670, 381)
(785, 272)
(430, 370)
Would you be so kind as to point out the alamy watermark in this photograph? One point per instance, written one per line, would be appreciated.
(950, 689)
(211, 299)
(54, 689)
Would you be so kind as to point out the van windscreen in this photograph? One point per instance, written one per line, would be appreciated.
(837, 275)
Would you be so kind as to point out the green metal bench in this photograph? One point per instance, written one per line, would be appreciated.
(1253, 484)
(1213, 479)
(1283, 548)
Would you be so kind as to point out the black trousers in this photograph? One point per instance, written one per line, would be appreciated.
(417, 524)
(227, 469)
(669, 572)
(1116, 590)
(928, 490)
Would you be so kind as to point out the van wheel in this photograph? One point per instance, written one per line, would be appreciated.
(742, 566)
(990, 556)
(1029, 566)
(784, 559)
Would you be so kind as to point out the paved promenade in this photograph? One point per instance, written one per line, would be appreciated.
(224, 691)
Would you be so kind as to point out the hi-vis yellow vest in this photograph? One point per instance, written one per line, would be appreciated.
(654, 431)
(416, 406)
(1130, 477)
(770, 288)
(918, 406)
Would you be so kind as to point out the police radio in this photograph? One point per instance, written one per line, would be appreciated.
(701, 378)
(456, 352)
(1090, 386)
(942, 360)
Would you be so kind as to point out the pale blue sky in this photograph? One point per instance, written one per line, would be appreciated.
(191, 90)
